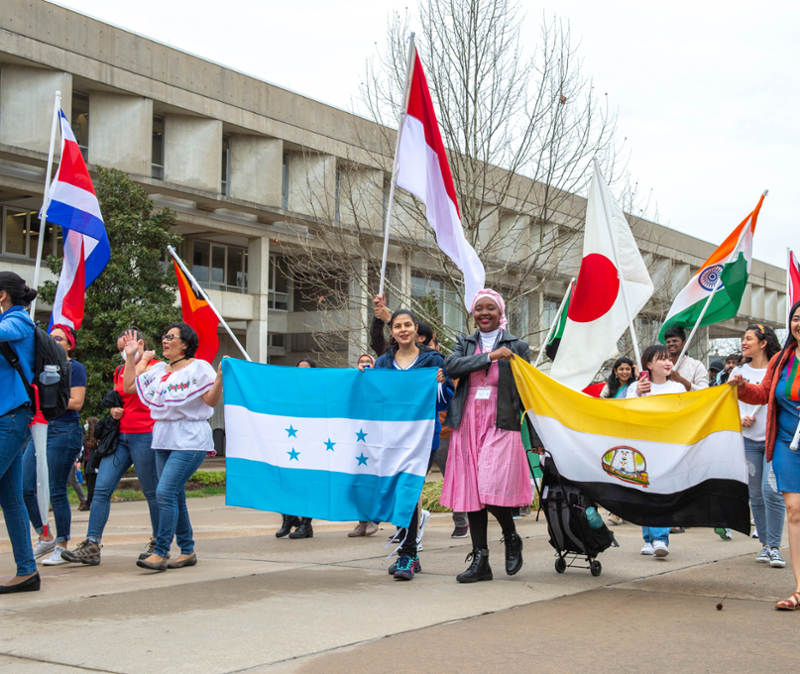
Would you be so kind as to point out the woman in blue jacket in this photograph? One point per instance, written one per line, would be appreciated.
(407, 354)
(16, 330)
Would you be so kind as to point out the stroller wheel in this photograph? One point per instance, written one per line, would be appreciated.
(596, 568)
(561, 565)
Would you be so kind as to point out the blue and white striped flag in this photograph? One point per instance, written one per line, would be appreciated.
(337, 445)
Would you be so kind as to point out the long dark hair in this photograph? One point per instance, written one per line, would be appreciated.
(764, 332)
(90, 441)
(18, 291)
(613, 381)
(791, 342)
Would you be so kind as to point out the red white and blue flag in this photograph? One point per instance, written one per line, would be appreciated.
(73, 205)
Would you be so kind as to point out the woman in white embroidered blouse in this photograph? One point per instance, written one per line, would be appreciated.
(181, 395)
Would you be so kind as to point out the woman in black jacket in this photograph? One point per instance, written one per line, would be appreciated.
(487, 469)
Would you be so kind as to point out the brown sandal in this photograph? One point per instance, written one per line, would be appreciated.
(790, 604)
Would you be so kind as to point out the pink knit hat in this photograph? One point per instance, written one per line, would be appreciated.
(495, 296)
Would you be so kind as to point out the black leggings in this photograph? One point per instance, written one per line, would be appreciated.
(479, 524)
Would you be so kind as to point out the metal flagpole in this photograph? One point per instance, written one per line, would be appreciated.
(387, 225)
(623, 292)
(206, 298)
(788, 282)
(555, 322)
(708, 301)
(46, 204)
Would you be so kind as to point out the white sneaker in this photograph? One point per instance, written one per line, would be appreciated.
(43, 548)
(755, 533)
(55, 559)
(660, 549)
(764, 556)
(424, 518)
(648, 549)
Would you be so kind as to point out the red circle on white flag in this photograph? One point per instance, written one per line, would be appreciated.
(596, 289)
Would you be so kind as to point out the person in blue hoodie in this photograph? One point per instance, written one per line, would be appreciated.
(16, 330)
(407, 354)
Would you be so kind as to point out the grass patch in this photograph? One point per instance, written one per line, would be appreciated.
(121, 495)
(432, 492)
(208, 478)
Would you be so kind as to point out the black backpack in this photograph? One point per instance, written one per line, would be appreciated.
(53, 398)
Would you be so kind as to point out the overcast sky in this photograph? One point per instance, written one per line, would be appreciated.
(707, 92)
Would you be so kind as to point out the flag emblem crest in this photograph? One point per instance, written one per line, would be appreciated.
(710, 277)
(627, 464)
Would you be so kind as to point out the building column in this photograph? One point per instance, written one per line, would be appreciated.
(26, 105)
(358, 314)
(258, 286)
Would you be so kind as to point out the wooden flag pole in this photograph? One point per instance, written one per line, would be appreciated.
(46, 202)
(555, 322)
(195, 284)
(388, 222)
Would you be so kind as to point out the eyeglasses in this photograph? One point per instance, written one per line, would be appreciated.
(169, 338)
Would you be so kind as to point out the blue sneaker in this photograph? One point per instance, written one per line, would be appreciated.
(406, 567)
(393, 567)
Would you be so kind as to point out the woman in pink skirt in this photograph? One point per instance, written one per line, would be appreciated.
(487, 469)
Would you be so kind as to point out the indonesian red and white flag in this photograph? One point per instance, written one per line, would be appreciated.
(597, 317)
(424, 171)
(792, 281)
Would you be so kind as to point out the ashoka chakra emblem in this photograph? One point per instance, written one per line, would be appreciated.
(711, 277)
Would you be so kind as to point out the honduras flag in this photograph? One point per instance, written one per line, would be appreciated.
(72, 204)
(339, 445)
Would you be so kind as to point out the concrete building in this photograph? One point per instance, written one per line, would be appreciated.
(248, 167)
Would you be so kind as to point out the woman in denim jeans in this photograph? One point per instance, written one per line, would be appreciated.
(133, 449)
(63, 445)
(16, 330)
(181, 395)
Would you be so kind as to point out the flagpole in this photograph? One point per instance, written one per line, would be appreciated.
(395, 166)
(43, 222)
(788, 281)
(623, 292)
(207, 299)
(555, 322)
(711, 296)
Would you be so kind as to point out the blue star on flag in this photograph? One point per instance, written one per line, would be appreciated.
(293, 455)
(362, 460)
(361, 435)
(291, 431)
(329, 445)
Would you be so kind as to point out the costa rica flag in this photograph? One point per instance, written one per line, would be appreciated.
(197, 313)
(73, 205)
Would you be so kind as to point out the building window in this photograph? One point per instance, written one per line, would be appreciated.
(80, 122)
(19, 234)
(446, 301)
(276, 340)
(226, 166)
(220, 267)
(338, 194)
(278, 286)
(285, 184)
(157, 171)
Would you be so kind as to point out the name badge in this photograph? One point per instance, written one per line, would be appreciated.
(483, 393)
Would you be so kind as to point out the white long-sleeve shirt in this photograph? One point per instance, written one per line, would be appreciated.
(694, 372)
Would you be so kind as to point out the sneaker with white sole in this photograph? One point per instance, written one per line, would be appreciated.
(764, 556)
(55, 558)
(775, 558)
(43, 548)
(724, 533)
(660, 549)
(648, 549)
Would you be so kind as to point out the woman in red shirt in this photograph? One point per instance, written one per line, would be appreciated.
(133, 449)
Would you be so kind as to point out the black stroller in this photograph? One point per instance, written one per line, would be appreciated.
(571, 534)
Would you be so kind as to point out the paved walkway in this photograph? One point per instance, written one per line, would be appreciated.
(258, 604)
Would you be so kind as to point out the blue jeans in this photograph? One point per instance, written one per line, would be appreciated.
(653, 534)
(175, 467)
(63, 445)
(133, 449)
(14, 435)
(766, 501)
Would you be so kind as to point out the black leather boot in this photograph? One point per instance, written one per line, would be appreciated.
(304, 530)
(513, 553)
(289, 521)
(479, 569)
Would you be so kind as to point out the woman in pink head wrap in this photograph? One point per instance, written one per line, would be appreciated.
(487, 469)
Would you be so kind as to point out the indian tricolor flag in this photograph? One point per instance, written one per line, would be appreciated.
(727, 270)
(662, 460)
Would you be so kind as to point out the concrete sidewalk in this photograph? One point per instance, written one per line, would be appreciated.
(258, 604)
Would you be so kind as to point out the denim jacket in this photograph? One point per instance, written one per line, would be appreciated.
(16, 328)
